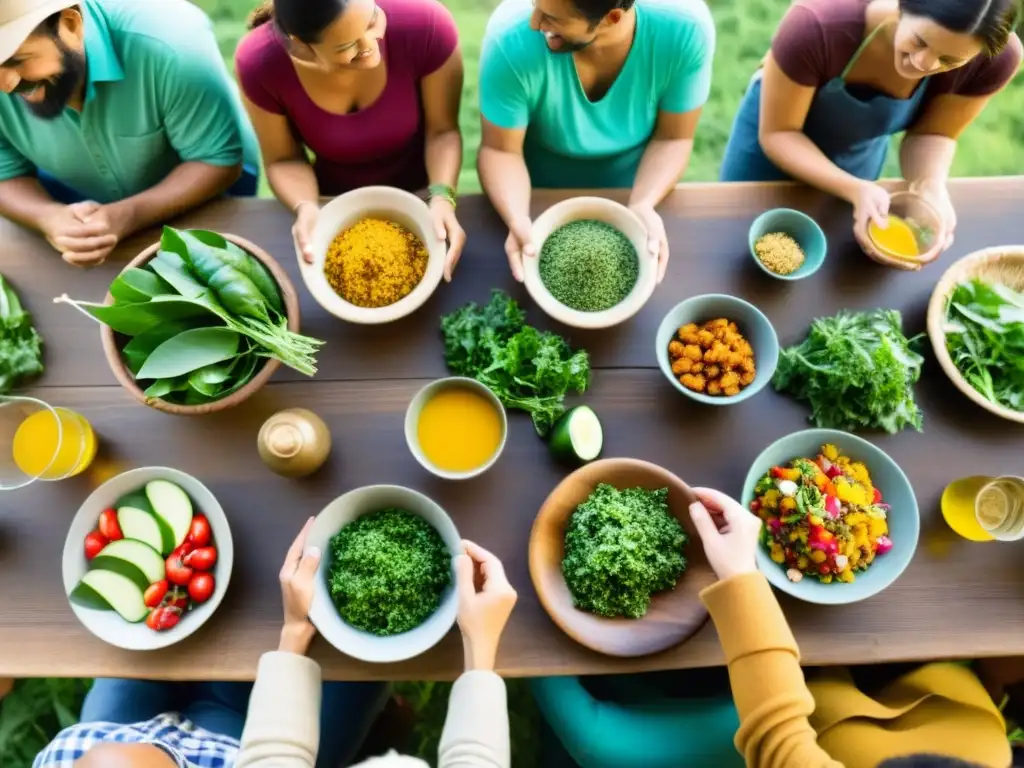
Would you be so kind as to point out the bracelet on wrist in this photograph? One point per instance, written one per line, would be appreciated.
(445, 192)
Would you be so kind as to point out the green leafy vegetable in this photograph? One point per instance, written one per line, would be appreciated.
(527, 369)
(985, 339)
(620, 548)
(243, 262)
(856, 370)
(388, 571)
(21, 348)
(189, 351)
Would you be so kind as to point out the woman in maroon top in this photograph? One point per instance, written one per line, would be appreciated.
(322, 79)
(843, 76)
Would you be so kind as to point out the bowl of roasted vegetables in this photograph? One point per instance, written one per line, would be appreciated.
(717, 349)
(840, 517)
(199, 321)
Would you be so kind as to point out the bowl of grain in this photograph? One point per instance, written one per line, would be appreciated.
(375, 256)
(592, 268)
(787, 244)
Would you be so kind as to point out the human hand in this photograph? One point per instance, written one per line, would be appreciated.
(297, 574)
(306, 214)
(936, 192)
(729, 533)
(871, 206)
(657, 239)
(519, 244)
(484, 613)
(81, 239)
(448, 229)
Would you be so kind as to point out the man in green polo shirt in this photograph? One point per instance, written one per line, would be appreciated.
(114, 115)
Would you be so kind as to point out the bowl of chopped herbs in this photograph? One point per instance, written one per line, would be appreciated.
(385, 591)
(592, 269)
(616, 560)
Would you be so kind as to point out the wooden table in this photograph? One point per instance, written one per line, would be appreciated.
(957, 599)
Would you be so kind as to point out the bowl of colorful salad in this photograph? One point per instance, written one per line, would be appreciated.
(840, 517)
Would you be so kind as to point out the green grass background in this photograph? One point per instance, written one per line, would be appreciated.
(994, 145)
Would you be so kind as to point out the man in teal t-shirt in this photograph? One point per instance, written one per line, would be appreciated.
(115, 115)
(591, 94)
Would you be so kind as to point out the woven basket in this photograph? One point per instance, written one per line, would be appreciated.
(1001, 264)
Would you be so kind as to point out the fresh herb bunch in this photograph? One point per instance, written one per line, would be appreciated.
(527, 369)
(388, 571)
(856, 370)
(620, 548)
(588, 265)
(21, 348)
(985, 338)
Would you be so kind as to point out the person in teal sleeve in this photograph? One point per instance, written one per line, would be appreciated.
(115, 115)
(591, 94)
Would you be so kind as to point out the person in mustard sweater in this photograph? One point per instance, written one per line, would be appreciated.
(939, 716)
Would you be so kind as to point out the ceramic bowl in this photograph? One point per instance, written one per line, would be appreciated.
(108, 625)
(614, 214)
(904, 522)
(354, 642)
(673, 615)
(924, 220)
(801, 228)
(114, 342)
(755, 327)
(344, 211)
(412, 419)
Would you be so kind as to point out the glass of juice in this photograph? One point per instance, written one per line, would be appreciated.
(44, 442)
(914, 231)
(981, 508)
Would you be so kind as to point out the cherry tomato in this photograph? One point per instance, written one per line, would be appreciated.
(878, 497)
(184, 548)
(164, 617)
(201, 559)
(178, 598)
(109, 526)
(199, 532)
(154, 594)
(94, 543)
(177, 572)
(200, 588)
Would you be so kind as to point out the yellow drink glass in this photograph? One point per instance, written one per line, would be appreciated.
(981, 508)
(44, 442)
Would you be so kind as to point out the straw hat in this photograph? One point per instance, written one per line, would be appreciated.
(18, 19)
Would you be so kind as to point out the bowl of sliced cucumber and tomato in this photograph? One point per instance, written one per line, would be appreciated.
(148, 558)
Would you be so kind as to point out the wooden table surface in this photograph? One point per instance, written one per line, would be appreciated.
(957, 599)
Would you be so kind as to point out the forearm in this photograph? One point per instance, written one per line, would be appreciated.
(24, 201)
(926, 157)
(506, 181)
(189, 185)
(444, 157)
(476, 732)
(662, 166)
(293, 182)
(797, 155)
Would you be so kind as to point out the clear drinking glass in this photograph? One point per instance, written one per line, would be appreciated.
(41, 442)
(999, 508)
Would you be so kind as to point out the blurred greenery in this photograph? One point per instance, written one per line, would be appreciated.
(37, 709)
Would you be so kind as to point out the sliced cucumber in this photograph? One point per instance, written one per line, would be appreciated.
(137, 500)
(134, 559)
(106, 590)
(577, 436)
(140, 525)
(171, 505)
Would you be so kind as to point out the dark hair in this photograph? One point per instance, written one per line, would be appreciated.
(927, 761)
(991, 21)
(305, 20)
(595, 10)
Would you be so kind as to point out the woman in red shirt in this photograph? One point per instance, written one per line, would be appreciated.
(351, 93)
(843, 76)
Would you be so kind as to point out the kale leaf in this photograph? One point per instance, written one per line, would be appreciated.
(620, 548)
(856, 370)
(21, 348)
(388, 571)
(527, 369)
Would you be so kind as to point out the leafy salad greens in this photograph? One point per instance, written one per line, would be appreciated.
(21, 348)
(985, 337)
(527, 369)
(856, 370)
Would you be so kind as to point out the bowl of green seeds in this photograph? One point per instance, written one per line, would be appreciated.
(592, 269)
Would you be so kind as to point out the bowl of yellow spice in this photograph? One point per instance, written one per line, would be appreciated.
(787, 244)
(375, 258)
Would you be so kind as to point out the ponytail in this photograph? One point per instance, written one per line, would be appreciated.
(263, 13)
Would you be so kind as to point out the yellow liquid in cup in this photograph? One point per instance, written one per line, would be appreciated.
(51, 450)
(958, 502)
(897, 239)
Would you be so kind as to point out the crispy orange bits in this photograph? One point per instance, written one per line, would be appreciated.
(712, 358)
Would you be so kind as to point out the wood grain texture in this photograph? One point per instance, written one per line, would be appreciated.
(672, 616)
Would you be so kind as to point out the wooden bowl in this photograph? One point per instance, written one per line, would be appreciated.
(112, 342)
(1002, 264)
(672, 616)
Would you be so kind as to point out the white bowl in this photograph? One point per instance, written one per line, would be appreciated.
(412, 419)
(108, 625)
(346, 210)
(614, 214)
(354, 642)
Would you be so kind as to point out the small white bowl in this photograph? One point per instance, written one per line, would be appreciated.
(412, 420)
(108, 625)
(346, 210)
(613, 214)
(354, 642)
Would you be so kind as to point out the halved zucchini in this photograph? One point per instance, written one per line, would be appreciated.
(106, 590)
(141, 526)
(172, 506)
(134, 559)
(577, 436)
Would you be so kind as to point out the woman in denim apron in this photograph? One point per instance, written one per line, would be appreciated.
(852, 130)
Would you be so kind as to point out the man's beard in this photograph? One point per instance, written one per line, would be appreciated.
(58, 89)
